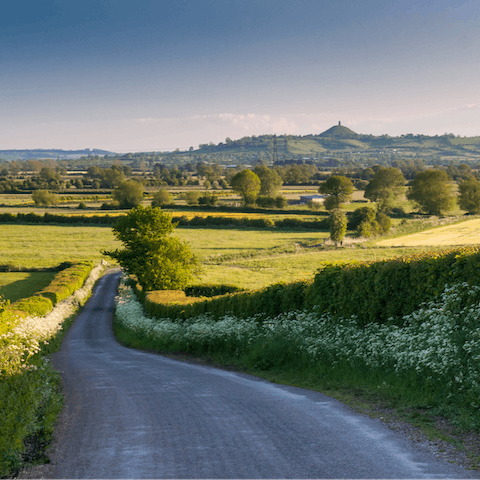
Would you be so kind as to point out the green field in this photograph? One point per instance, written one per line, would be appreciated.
(48, 246)
(248, 258)
(17, 285)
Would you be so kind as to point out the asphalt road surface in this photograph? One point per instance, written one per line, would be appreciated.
(140, 415)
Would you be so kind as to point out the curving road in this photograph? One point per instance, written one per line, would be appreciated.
(133, 414)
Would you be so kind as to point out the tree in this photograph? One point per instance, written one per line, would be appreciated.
(339, 190)
(208, 199)
(270, 180)
(368, 222)
(192, 197)
(384, 187)
(158, 260)
(469, 195)
(431, 192)
(128, 194)
(162, 197)
(338, 225)
(44, 197)
(247, 184)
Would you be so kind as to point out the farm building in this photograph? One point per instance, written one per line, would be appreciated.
(314, 198)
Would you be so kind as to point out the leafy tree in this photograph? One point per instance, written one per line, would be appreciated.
(44, 197)
(270, 180)
(339, 190)
(128, 194)
(384, 222)
(460, 172)
(162, 197)
(368, 222)
(158, 260)
(192, 197)
(247, 184)
(338, 225)
(469, 195)
(431, 192)
(208, 199)
(362, 214)
(384, 187)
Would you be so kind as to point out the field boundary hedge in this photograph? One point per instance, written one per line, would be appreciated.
(381, 292)
(64, 283)
(316, 223)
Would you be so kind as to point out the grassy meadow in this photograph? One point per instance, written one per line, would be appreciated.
(17, 285)
(248, 258)
(464, 233)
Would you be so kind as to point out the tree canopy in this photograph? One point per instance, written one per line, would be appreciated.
(158, 260)
(161, 197)
(247, 184)
(431, 192)
(384, 186)
(469, 195)
(270, 180)
(338, 225)
(128, 194)
(339, 190)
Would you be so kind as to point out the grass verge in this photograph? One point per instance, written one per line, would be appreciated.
(31, 398)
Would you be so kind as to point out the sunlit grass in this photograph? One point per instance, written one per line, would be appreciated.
(48, 245)
(17, 285)
(461, 233)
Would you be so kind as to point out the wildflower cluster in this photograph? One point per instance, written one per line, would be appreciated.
(437, 349)
(23, 337)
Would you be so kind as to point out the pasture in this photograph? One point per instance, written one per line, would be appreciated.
(464, 233)
(17, 285)
(248, 258)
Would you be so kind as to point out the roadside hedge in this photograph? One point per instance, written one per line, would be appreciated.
(64, 283)
(382, 291)
(67, 282)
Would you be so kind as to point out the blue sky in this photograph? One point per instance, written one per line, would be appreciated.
(149, 75)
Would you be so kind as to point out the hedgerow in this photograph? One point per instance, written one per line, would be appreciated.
(30, 395)
(432, 360)
(197, 221)
(382, 291)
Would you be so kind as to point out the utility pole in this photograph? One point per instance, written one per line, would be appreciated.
(275, 153)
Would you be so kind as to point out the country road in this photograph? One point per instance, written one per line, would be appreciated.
(132, 414)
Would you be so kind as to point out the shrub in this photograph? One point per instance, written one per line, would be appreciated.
(210, 290)
(160, 198)
(37, 306)
(44, 197)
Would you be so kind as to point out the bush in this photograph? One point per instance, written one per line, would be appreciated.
(160, 198)
(210, 290)
(208, 199)
(37, 306)
(128, 194)
(192, 197)
(44, 197)
(67, 281)
(266, 202)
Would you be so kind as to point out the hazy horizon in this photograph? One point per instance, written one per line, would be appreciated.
(156, 76)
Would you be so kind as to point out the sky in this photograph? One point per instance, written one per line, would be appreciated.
(156, 75)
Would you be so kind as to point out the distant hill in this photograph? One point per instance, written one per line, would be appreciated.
(342, 142)
(39, 154)
(339, 131)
